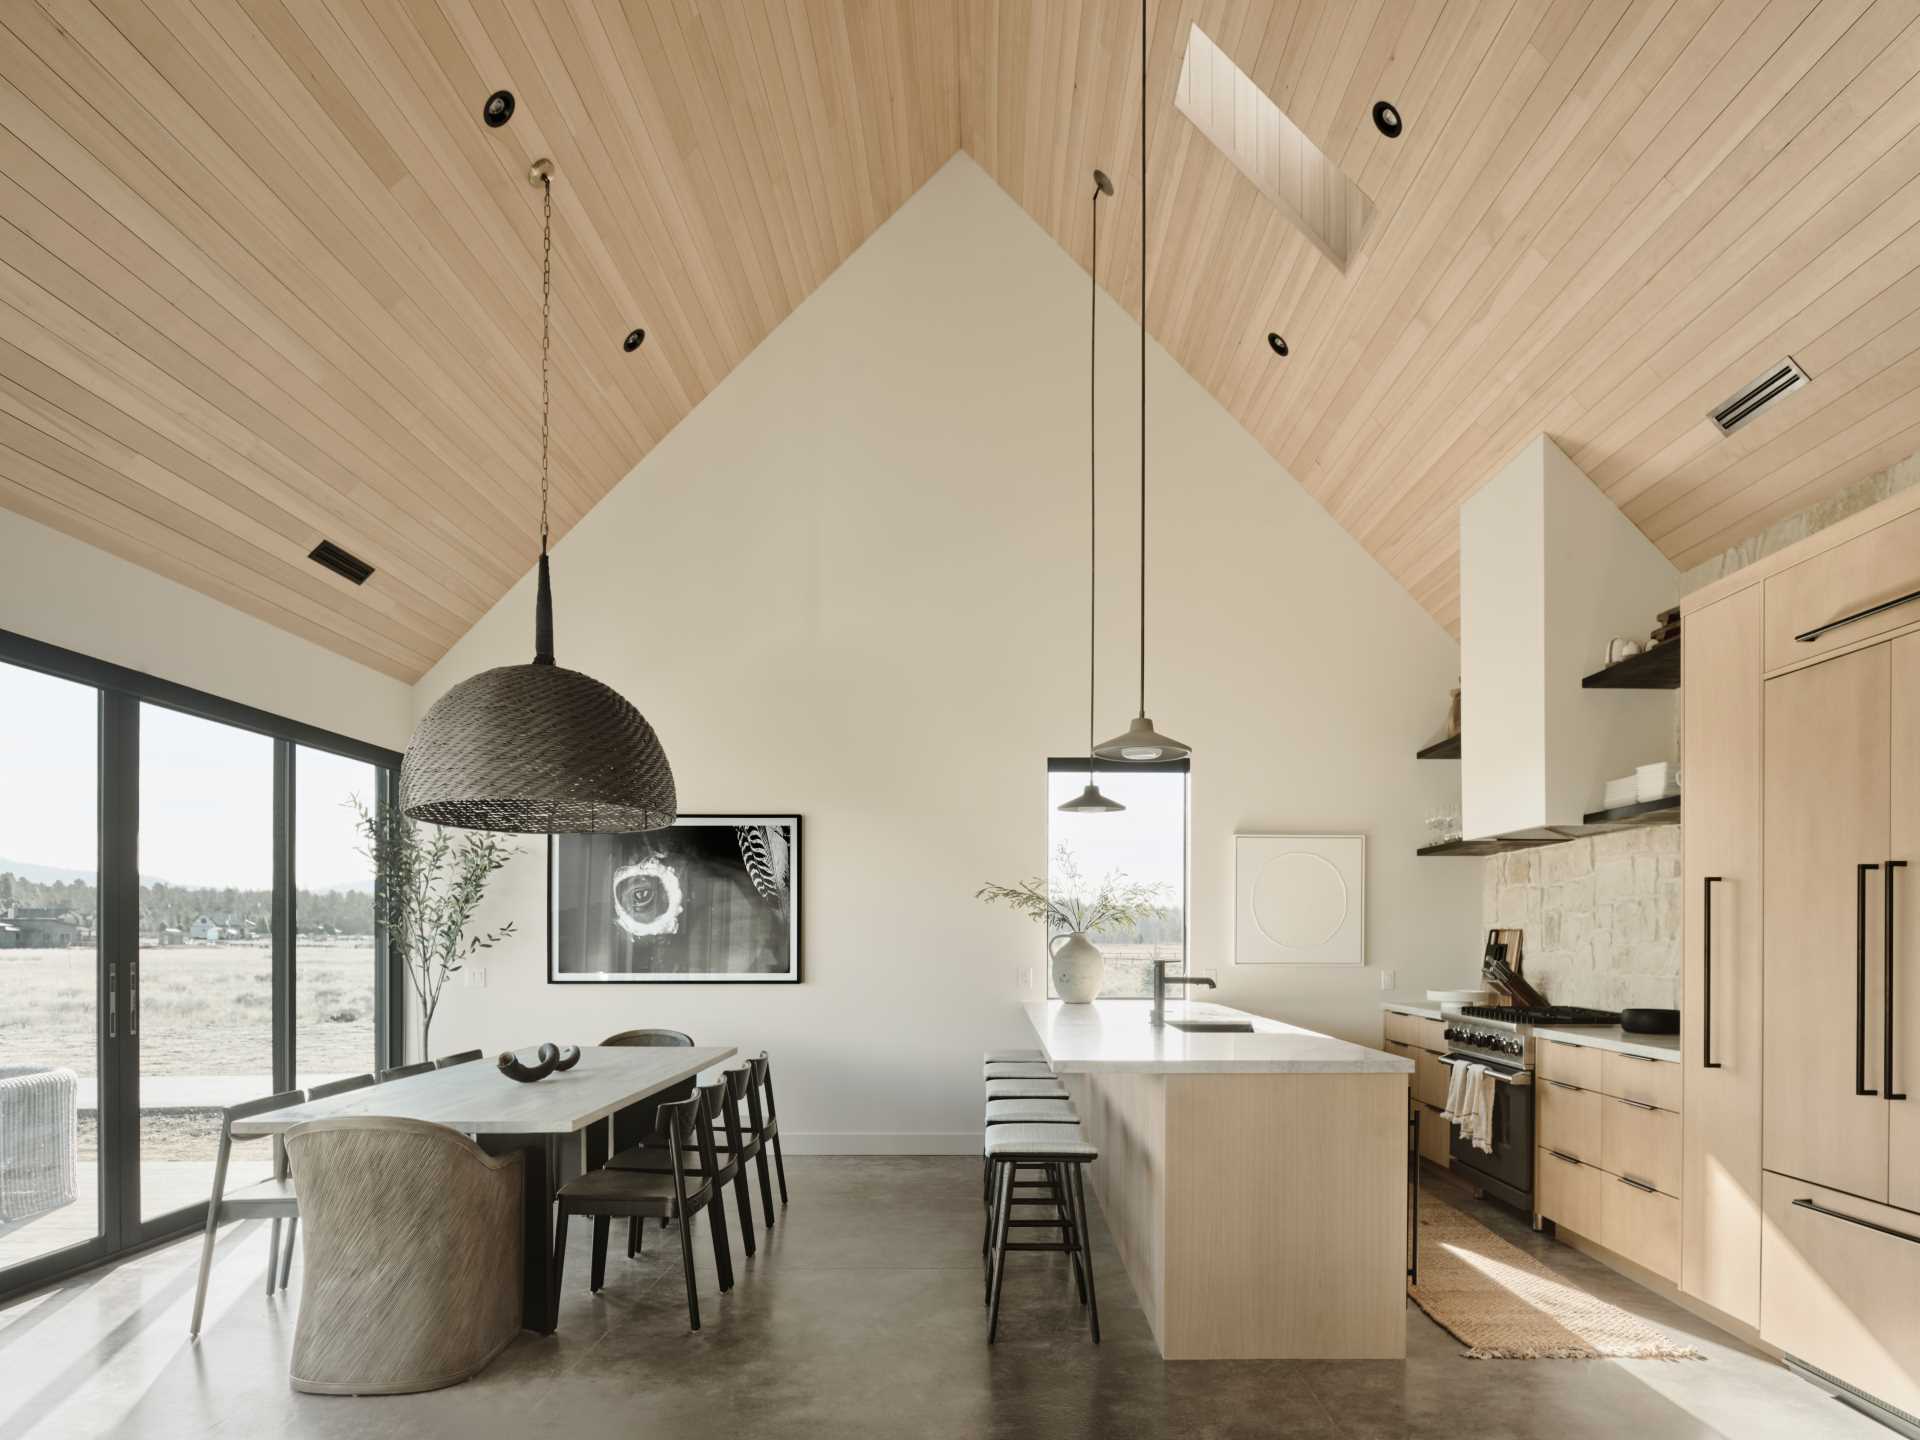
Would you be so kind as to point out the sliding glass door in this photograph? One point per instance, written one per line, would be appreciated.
(50, 1006)
(186, 922)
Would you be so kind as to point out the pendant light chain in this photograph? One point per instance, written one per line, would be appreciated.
(546, 344)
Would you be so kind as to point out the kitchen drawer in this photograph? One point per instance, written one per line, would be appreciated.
(1436, 1137)
(1641, 1144)
(1396, 1047)
(1400, 1028)
(1567, 1192)
(1840, 1295)
(1569, 1120)
(1576, 1065)
(1651, 1082)
(1642, 1225)
(1430, 1034)
(1880, 565)
(1430, 1079)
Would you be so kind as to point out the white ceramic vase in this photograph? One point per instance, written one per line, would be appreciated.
(1078, 967)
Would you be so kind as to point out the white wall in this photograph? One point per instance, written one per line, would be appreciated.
(68, 593)
(852, 584)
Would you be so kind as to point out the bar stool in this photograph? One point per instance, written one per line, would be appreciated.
(1019, 1112)
(1017, 1070)
(1064, 1152)
(1035, 1089)
(994, 1057)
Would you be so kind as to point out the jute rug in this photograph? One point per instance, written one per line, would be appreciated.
(1504, 1305)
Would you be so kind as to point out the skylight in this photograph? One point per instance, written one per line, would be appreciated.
(1270, 150)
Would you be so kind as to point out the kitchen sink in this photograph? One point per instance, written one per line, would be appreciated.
(1209, 1027)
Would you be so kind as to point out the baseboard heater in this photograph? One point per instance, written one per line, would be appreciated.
(1891, 1416)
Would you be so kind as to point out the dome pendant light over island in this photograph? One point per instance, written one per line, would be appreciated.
(1090, 801)
(1142, 744)
(535, 749)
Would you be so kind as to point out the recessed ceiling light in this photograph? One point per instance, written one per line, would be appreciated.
(1278, 342)
(635, 339)
(1386, 118)
(498, 109)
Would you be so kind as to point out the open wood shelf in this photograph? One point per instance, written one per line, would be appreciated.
(1495, 846)
(1655, 669)
(1447, 749)
(1664, 811)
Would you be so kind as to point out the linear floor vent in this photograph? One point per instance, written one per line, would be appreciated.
(344, 564)
(1753, 399)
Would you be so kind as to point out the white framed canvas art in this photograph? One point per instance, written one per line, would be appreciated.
(1300, 899)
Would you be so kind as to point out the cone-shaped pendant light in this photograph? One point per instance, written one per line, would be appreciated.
(1142, 744)
(535, 749)
(1090, 800)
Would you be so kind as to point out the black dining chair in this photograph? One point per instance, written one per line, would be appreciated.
(766, 1124)
(606, 1195)
(730, 1153)
(401, 1072)
(632, 1126)
(465, 1057)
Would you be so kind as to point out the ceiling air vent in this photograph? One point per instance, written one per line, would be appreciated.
(1754, 398)
(347, 566)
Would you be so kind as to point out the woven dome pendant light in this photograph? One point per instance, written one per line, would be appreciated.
(1090, 800)
(1142, 744)
(536, 749)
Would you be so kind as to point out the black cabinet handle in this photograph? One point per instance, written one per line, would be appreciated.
(1860, 979)
(1871, 610)
(1562, 1155)
(1636, 1104)
(1636, 1184)
(1886, 1049)
(1707, 1062)
(1805, 1204)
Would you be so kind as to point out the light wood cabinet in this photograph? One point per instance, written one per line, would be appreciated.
(1881, 565)
(1608, 1164)
(1641, 1143)
(1568, 1119)
(1840, 1279)
(1567, 1191)
(1641, 1224)
(1436, 1136)
(1576, 1065)
(1903, 1116)
(1430, 1079)
(1644, 1081)
(1720, 1187)
(1828, 782)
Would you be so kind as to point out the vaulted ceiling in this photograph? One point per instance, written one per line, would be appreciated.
(266, 279)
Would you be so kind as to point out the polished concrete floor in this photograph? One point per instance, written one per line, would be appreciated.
(860, 1317)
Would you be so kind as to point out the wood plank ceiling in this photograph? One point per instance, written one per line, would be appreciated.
(1603, 218)
(265, 278)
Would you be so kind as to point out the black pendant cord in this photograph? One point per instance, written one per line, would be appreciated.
(1143, 357)
(543, 602)
(1093, 477)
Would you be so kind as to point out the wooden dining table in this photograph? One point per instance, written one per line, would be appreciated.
(553, 1123)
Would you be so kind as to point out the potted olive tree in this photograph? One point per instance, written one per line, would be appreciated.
(428, 885)
(1073, 912)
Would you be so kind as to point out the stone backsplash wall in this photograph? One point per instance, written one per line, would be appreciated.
(1601, 916)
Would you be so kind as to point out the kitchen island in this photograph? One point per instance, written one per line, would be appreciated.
(1254, 1181)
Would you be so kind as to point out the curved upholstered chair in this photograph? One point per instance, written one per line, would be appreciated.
(413, 1268)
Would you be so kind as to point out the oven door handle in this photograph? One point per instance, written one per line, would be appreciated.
(1521, 1078)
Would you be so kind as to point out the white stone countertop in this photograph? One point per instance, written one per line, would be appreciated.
(1114, 1035)
(1612, 1037)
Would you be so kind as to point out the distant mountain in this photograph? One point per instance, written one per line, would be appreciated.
(44, 874)
(55, 875)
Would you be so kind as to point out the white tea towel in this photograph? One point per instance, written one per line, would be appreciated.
(1480, 1083)
(1456, 1092)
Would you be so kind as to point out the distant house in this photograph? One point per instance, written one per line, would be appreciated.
(172, 935)
(10, 936)
(205, 928)
(42, 927)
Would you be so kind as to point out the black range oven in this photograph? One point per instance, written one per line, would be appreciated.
(1507, 1172)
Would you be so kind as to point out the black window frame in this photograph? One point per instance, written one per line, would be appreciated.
(1080, 765)
(121, 691)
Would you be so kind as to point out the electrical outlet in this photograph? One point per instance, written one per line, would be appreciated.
(1386, 979)
(476, 977)
(1023, 976)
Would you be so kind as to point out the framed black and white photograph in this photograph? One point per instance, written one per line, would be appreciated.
(712, 898)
